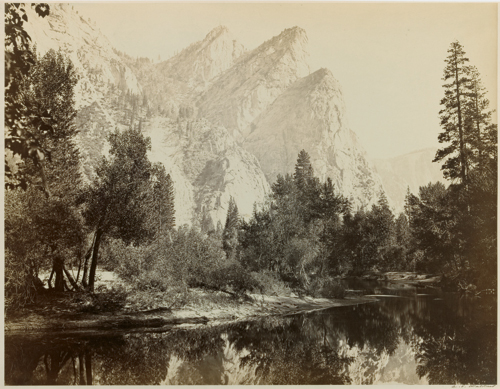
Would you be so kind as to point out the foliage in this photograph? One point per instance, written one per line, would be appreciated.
(230, 233)
(19, 119)
(120, 202)
(105, 300)
(43, 230)
(291, 236)
(453, 230)
(326, 287)
(269, 283)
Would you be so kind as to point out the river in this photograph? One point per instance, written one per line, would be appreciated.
(408, 335)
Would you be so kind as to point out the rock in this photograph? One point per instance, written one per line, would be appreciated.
(247, 88)
(208, 168)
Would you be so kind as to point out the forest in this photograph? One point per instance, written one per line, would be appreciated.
(305, 238)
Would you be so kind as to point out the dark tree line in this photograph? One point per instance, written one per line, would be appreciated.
(308, 233)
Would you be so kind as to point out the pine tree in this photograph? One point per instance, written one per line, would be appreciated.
(481, 129)
(162, 208)
(304, 171)
(453, 115)
(230, 234)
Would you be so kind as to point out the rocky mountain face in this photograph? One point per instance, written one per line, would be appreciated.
(206, 164)
(96, 61)
(256, 79)
(411, 171)
(310, 115)
(208, 168)
(180, 79)
(223, 121)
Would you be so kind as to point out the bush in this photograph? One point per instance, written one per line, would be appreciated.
(20, 284)
(104, 300)
(268, 283)
(232, 276)
(326, 287)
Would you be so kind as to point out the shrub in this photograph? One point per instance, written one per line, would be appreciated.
(326, 287)
(20, 285)
(105, 300)
(232, 276)
(270, 284)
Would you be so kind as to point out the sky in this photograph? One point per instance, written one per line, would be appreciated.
(388, 57)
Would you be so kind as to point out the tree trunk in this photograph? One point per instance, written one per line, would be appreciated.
(86, 264)
(71, 279)
(58, 270)
(49, 282)
(88, 367)
(93, 264)
(81, 380)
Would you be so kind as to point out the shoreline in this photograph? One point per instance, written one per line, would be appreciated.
(164, 320)
(204, 308)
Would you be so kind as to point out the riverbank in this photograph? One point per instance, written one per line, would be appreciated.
(411, 278)
(117, 307)
(60, 313)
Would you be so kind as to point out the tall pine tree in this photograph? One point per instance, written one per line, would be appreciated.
(453, 120)
(230, 234)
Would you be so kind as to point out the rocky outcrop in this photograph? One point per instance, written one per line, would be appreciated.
(181, 78)
(202, 61)
(256, 79)
(208, 168)
(310, 115)
(95, 60)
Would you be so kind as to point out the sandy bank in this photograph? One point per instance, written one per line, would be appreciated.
(163, 319)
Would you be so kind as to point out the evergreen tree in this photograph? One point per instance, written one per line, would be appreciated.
(482, 132)
(162, 209)
(453, 116)
(231, 228)
(304, 171)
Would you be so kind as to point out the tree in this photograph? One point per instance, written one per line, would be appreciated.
(304, 171)
(49, 229)
(18, 61)
(116, 201)
(162, 199)
(482, 132)
(230, 233)
(453, 120)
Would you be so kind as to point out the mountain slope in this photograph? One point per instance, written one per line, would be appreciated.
(208, 168)
(179, 79)
(206, 164)
(90, 51)
(243, 91)
(310, 115)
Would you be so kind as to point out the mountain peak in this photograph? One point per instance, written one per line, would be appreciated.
(216, 32)
(245, 90)
(324, 77)
(294, 38)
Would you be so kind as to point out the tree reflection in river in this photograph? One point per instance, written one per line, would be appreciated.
(361, 344)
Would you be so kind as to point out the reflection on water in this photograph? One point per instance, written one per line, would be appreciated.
(411, 338)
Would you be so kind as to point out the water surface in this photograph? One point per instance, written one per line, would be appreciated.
(408, 335)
